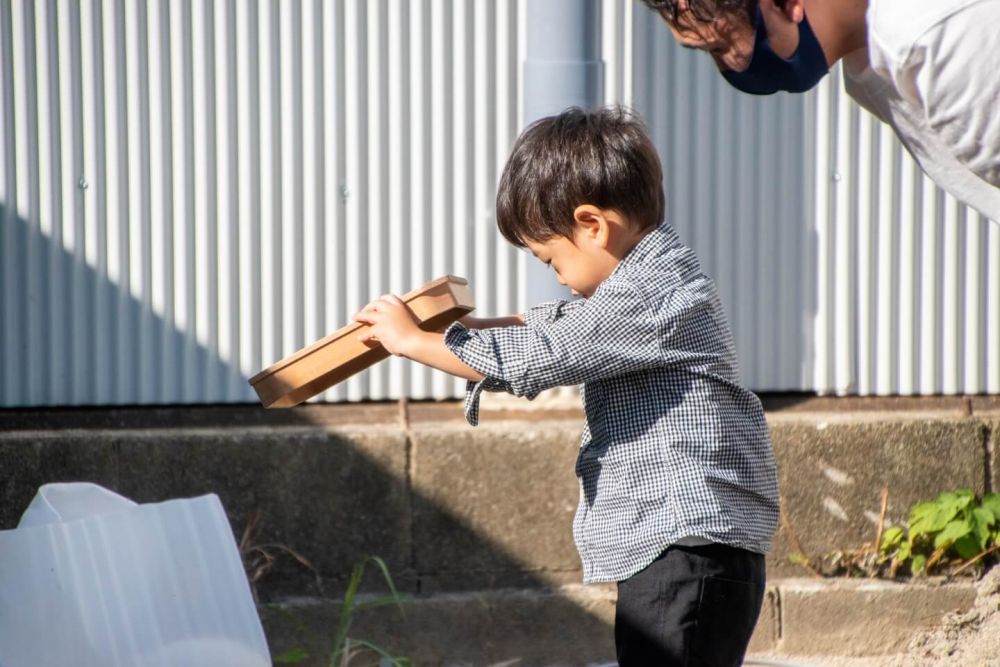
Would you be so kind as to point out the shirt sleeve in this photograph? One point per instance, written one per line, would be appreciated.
(614, 332)
(951, 73)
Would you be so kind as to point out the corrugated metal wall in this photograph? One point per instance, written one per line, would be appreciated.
(191, 190)
(843, 269)
(736, 194)
(907, 279)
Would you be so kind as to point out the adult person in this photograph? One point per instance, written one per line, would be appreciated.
(929, 68)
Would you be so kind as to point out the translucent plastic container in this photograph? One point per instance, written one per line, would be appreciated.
(91, 578)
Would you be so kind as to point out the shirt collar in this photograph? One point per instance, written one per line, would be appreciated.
(653, 243)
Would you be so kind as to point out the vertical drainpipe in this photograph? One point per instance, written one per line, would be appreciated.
(562, 68)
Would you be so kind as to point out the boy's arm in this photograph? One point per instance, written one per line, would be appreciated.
(563, 343)
(394, 326)
(429, 349)
(613, 332)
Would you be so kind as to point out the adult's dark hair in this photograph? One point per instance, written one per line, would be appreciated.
(603, 157)
(707, 10)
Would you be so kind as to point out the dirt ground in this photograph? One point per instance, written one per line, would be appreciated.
(970, 639)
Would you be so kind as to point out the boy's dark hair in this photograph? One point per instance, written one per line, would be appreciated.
(707, 10)
(603, 157)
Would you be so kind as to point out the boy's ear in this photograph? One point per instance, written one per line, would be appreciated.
(592, 224)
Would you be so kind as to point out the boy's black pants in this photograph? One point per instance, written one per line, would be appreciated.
(693, 606)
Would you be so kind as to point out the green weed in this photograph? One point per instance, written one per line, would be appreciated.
(347, 649)
(954, 531)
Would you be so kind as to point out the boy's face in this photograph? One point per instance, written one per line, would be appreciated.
(578, 263)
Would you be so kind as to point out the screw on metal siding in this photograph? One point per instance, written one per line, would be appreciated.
(345, 191)
(836, 176)
(82, 183)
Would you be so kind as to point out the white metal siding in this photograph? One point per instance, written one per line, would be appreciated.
(908, 279)
(843, 269)
(191, 190)
(736, 192)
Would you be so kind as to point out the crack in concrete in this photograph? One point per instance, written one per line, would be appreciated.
(989, 451)
(404, 420)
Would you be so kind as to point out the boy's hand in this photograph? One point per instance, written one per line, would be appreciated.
(392, 324)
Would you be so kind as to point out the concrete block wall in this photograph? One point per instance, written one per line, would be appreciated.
(452, 508)
(476, 523)
(833, 468)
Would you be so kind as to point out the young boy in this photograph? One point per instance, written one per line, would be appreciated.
(680, 498)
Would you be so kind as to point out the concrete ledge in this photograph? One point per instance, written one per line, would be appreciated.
(496, 408)
(574, 625)
(862, 618)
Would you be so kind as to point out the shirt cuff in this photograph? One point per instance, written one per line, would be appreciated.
(459, 340)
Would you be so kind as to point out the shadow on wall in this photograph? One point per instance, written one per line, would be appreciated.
(73, 336)
(444, 507)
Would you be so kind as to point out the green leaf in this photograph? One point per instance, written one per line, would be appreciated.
(967, 547)
(991, 502)
(958, 499)
(929, 518)
(292, 656)
(982, 519)
(340, 644)
(891, 538)
(918, 565)
(922, 508)
(388, 579)
(952, 532)
(951, 504)
(905, 551)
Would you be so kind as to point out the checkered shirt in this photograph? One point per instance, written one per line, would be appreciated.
(673, 447)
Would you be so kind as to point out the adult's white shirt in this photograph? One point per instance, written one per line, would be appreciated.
(932, 71)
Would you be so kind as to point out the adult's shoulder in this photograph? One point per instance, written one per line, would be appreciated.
(894, 26)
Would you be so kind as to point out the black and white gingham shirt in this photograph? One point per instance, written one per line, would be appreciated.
(673, 447)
